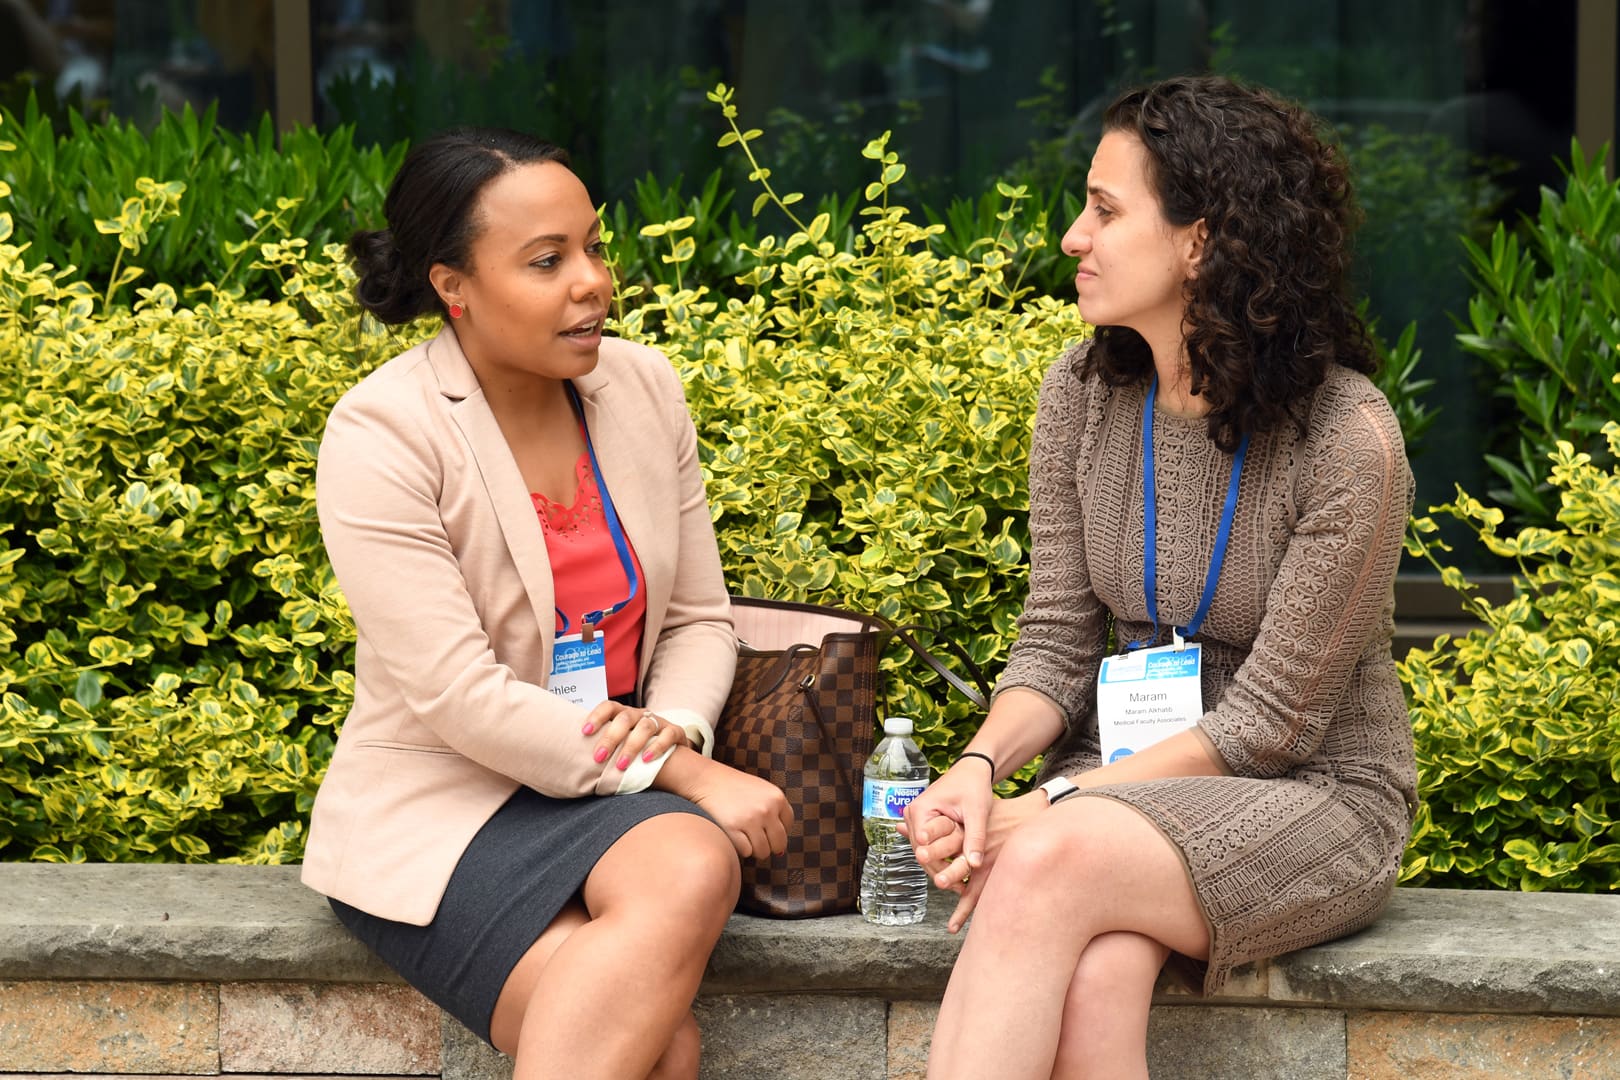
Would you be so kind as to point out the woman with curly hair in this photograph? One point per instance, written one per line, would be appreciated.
(1217, 500)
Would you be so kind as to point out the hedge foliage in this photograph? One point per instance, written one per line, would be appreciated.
(1518, 724)
(70, 191)
(176, 650)
(865, 418)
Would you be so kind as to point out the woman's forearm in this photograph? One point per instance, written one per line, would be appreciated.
(1186, 753)
(682, 772)
(1021, 724)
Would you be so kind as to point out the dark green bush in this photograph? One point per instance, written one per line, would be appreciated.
(240, 191)
(1545, 320)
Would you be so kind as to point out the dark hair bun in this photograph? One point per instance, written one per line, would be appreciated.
(384, 288)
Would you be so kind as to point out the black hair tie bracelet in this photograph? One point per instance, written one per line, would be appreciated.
(986, 758)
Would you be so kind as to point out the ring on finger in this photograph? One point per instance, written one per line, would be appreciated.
(967, 876)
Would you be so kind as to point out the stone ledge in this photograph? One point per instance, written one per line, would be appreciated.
(1448, 950)
(1434, 950)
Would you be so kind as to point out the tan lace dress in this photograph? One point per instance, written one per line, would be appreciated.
(1302, 843)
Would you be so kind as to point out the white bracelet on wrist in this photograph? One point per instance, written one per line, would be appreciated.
(1058, 788)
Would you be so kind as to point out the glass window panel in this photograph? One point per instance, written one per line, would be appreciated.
(132, 58)
(1453, 111)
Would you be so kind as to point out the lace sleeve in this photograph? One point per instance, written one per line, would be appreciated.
(1063, 628)
(1330, 601)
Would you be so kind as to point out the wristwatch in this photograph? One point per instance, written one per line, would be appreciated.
(1057, 789)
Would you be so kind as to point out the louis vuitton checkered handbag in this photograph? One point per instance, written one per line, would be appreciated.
(801, 713)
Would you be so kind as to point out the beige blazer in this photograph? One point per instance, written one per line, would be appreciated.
(437, 547)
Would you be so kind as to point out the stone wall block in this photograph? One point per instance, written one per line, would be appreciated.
(911, 1032)
(793, 1037)
(109, 1027)
(1403, 1045)
(365, 1028)
(467, 1057)
(1241, 1043)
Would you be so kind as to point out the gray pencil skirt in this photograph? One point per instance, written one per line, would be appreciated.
(527, 861)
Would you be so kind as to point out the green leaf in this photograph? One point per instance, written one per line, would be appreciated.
(189, 847)
(87, 690)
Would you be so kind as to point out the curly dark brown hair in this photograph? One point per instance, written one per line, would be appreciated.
(1270, 306)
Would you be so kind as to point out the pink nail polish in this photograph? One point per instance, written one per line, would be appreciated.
(624, 763)
(589, 729)
(601, 754)
(648, 756)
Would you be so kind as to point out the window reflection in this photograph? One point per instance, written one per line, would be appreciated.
(1454, 112)
(132, 58)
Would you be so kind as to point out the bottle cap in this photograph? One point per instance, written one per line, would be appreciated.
(897, 725)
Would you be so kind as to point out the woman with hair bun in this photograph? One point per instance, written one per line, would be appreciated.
(521, 815)
(1217, 501)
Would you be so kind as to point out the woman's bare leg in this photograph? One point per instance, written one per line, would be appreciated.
(606, 991)
(680, 1060)
(1088, 867)
(1105, 1016)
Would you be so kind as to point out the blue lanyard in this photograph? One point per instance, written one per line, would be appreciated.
(1150, 529)
(591, 619)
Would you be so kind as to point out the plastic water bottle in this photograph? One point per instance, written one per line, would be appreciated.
(894, 889)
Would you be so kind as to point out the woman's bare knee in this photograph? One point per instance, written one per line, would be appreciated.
(707, 875)
(1116, 964)
(1095, 865)
(1040, 872)
(675, 868)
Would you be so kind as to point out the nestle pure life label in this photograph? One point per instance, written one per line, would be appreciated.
(889, 798)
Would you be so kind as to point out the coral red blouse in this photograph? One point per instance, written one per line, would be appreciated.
(587, 575)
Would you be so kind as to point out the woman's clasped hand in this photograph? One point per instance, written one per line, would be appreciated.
(753, 812)
(959, 829)
(625, 732)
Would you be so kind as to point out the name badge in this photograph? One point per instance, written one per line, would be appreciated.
(579, 670)
(1148, 694)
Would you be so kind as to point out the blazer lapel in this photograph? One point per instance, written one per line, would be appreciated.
(503, 483)
(616, 449)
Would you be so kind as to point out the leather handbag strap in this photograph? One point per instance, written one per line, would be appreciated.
(978, 692)
(780, 669)
(813, 699)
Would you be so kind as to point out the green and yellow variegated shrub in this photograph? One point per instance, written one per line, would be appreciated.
(865, 417)
(174, 648)
(174, 651)
(1518, 724)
